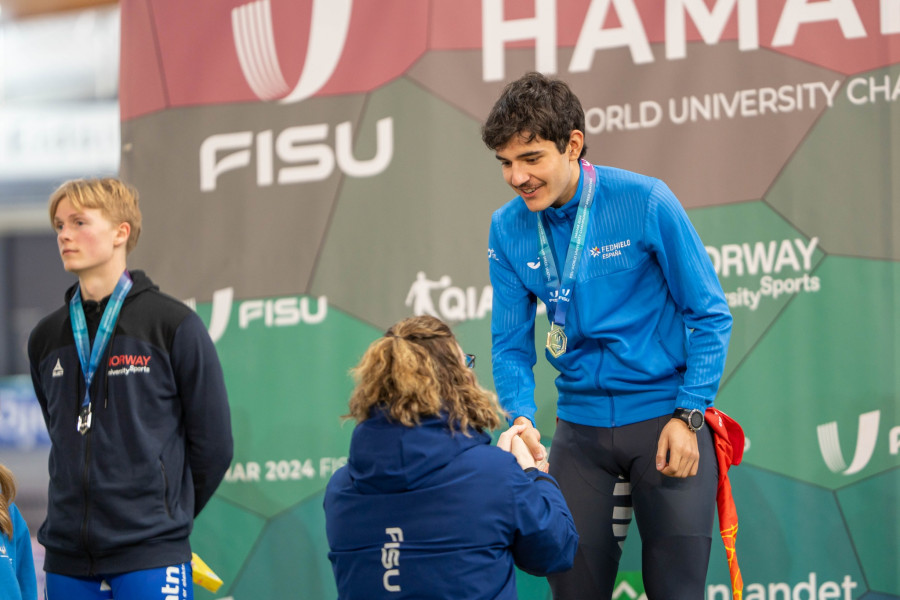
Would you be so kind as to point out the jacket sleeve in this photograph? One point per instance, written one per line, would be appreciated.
(207, 417)
(694, 286)
(512, 332)
(34, 365)
(545, 539)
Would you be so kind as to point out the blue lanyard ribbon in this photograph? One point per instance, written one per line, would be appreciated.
(89, 356)
(561, 292)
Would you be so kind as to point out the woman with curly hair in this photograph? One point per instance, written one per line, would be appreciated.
(426, 507)
(17, 581)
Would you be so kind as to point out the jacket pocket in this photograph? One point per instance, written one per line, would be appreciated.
(165, 478)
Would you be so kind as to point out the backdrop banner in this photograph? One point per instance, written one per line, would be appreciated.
(312, 171)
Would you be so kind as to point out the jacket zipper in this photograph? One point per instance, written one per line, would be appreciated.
(85, 482)
(612, 401)
(85, 475)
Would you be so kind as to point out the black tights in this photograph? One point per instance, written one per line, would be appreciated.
(605, 474)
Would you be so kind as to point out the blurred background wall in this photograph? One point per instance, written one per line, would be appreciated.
(59, 118)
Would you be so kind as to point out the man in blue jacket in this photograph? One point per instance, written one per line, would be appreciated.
(134, 400)
(638, 330)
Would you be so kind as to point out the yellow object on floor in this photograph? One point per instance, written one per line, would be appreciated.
(204, 576)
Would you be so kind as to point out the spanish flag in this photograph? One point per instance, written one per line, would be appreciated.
(729, 440)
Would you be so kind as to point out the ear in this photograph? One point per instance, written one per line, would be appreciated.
(123, 232)
(576, 143)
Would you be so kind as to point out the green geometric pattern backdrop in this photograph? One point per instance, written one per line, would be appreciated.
(311, 171)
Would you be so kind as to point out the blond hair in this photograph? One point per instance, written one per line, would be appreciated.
(116, 200)
(7, 495)
(417, 370)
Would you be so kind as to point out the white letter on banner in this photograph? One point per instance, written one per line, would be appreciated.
(801, 11)
(291, 147)
(249, 311)
(384, 149)
(710, 24)
(806, 251)
(890, 16)
(495, 32)
(265, 163)
(210, 169)
(716, 258)
(593, 37)
(321, 310)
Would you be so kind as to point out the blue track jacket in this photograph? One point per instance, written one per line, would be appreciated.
(420, 512)
(648, 325)
(17, 580)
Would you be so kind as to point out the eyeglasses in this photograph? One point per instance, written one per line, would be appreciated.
(470, 361)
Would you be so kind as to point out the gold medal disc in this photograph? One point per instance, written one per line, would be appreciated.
(556, 341)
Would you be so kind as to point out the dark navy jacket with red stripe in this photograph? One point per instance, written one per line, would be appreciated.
(123, 497)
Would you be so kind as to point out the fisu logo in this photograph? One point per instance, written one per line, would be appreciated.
(254, 40)
(866, 436)
(390, 558)
(273, 312)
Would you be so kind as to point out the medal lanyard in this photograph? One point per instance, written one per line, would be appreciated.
(88, 356)
(574, 252)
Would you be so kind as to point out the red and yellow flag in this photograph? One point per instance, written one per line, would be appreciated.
(729, 442)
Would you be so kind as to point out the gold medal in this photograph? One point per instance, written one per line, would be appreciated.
(556, 341)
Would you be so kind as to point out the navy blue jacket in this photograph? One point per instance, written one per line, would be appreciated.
(420, 512)
(123, 497)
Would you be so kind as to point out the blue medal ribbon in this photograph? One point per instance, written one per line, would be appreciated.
(89, 356)
(561, 293)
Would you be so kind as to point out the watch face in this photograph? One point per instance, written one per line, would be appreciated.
(696, 419)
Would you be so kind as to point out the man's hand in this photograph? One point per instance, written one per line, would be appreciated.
(679, 443)
(532, 438)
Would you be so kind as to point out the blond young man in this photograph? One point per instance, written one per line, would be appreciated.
(134, 399)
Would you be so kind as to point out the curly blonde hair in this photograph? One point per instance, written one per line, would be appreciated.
(418, 370)
(7, 495)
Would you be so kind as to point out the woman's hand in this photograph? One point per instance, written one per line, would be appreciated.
(511, 441)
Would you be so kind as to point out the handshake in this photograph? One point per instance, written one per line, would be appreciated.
(523, 441)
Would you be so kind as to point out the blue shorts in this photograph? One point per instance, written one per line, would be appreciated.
(163, 583)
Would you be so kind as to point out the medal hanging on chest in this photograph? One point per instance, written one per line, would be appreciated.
(556, 341)
(88, 356)
(561, 290)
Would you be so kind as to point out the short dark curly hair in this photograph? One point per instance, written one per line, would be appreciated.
(534, 106)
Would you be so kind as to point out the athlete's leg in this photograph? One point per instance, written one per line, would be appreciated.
(600, 503)
(154, 584)
(674, 516)
(62, 587)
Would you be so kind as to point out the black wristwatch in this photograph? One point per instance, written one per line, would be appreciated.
(693, 418)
